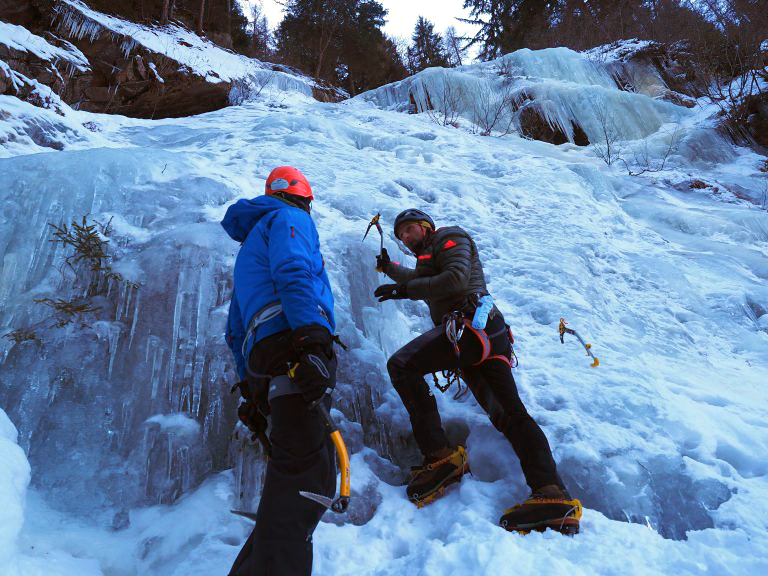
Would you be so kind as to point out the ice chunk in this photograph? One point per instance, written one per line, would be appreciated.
(14, 479)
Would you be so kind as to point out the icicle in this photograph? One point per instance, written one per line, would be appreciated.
(127, 46)
(135, 316)
(109, 331)
(74, 24)
(177, 314)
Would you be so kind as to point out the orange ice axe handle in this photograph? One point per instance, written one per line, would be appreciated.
(341, 503)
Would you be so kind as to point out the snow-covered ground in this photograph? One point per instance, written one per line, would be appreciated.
(664, 442)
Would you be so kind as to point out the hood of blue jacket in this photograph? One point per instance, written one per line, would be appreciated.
(243, 215)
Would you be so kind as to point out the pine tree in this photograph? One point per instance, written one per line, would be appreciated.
(339, 41)
(509, 23)
(427, 49)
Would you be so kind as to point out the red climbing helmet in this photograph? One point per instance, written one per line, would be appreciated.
(288, 180)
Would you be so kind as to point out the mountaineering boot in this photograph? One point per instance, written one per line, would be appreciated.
(548, 507)
(428, 481)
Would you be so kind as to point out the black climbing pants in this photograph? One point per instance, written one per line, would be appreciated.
(492, 384)
(302, 459)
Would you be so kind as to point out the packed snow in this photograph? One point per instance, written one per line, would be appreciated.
(122, 415)
(19, 38)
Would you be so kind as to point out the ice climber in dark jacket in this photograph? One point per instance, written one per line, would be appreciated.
(281, 317)
(449, 277)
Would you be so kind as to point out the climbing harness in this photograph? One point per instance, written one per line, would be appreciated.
(265, 314)
(455, 324)
(588, 347)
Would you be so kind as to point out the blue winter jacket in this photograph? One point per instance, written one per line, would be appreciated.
(279, 262)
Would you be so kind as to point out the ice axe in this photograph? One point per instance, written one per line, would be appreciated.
(588, 347)
(341, 503)
(375, 222)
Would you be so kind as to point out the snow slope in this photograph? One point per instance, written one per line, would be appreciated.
(664, 442)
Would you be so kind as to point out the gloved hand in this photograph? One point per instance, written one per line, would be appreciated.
(383, 261)
(391, 292)
(250, 415)
(255, 392)
(316, 370)
(256, 422)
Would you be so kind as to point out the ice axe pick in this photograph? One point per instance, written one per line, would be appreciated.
(375, 222)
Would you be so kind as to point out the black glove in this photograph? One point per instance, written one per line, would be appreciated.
(252, 417)
(315, 372)
(391, 292)
(254, 391)
(383, 261)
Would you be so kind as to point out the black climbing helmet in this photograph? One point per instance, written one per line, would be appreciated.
(413, 215)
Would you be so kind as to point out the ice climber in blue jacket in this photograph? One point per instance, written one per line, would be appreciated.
(281, 316)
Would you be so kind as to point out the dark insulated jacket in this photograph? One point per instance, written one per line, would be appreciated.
(448, 273)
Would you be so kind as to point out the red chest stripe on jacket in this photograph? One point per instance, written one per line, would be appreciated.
(449, 244)
(425, 256)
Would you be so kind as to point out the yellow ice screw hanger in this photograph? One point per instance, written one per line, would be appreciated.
(588, 347)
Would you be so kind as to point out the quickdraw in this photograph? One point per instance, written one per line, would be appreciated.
(451, 376)
(588, 347)
(454, 329)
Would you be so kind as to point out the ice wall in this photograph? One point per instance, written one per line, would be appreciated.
(84, 394)
(564, 86)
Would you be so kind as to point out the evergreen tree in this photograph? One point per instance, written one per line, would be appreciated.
(506, 25)
(238, 26)
(339, 41)
(427, 49)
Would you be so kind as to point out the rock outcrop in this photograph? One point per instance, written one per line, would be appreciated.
(534, 125)
(659, 70)
(101, 63)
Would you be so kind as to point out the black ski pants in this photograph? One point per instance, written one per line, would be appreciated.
(492, 384)
(302, 459)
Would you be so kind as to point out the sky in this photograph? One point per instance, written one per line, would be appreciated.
(402, 14)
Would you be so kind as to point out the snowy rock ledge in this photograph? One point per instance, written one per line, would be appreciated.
(100, 63)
